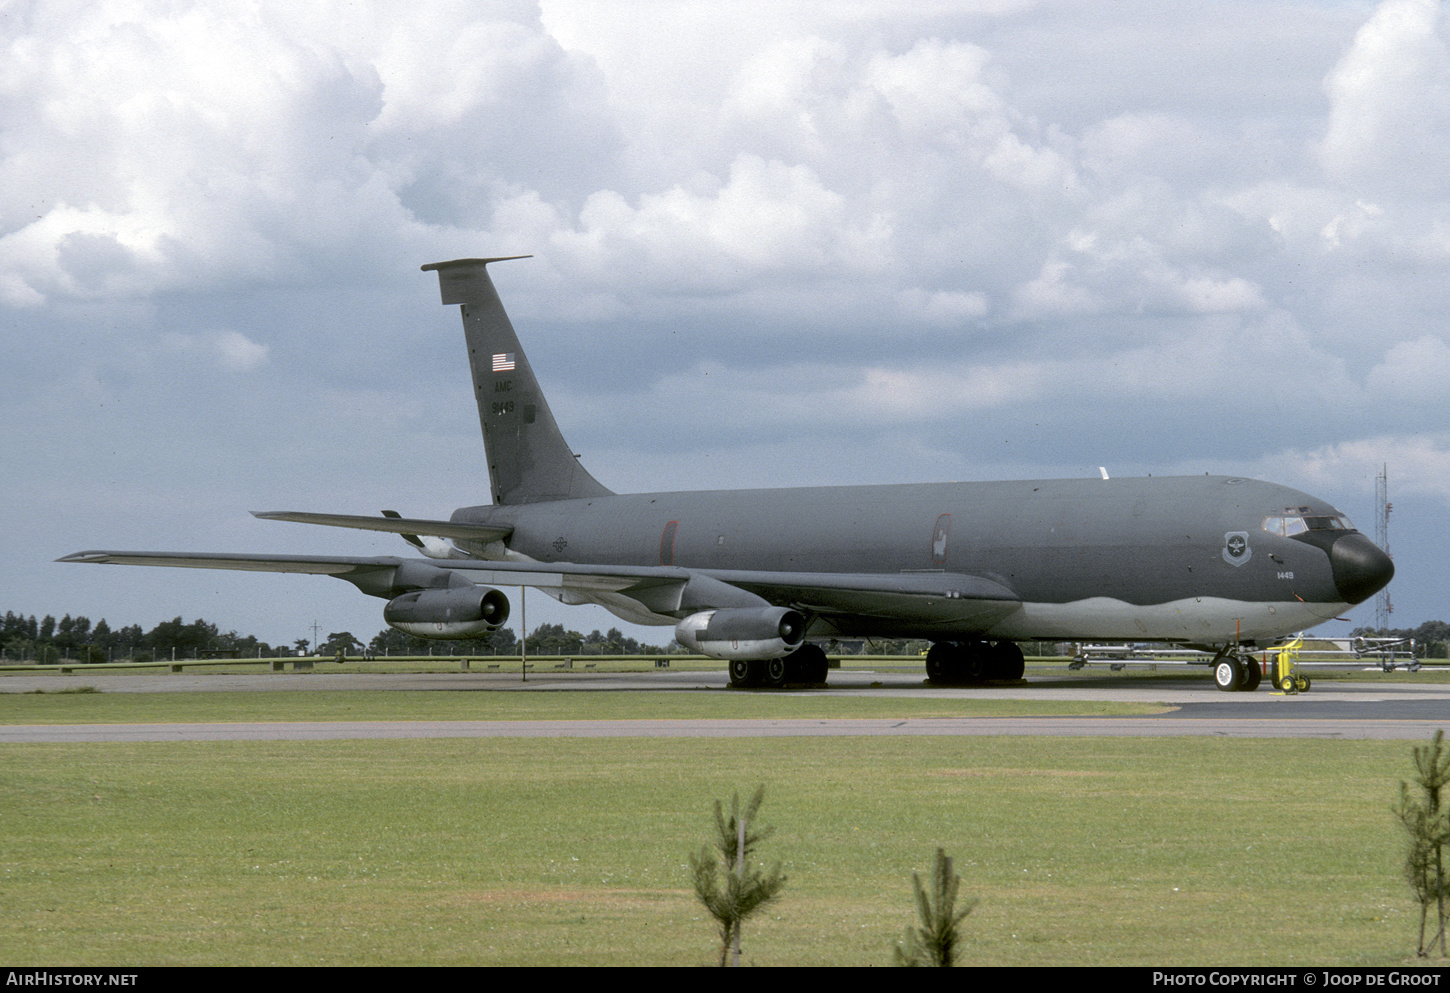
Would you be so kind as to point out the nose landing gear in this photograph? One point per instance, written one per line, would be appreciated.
(1236, 670)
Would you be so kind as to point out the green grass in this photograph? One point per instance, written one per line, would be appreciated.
(526, 852)
(70, 707)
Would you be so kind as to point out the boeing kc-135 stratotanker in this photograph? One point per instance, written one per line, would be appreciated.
(1214, 562)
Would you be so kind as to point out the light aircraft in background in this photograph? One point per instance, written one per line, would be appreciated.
(747, 576)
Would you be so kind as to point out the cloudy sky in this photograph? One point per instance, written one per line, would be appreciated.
(775, 243)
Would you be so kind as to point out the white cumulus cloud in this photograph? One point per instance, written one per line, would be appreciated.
(1389, 120)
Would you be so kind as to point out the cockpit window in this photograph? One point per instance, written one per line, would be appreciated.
(1292, 524)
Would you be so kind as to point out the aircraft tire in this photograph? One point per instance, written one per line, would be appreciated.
(976, 664)
(822, 668)
(942, 663)
(778, 672)
(1009, 662)
(808, 664)
(744, 673)
(994, 660)
(1253, 675)
(1227, 674)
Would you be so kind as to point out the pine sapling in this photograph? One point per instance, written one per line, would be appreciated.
(934, 942)
(725, 882)
(1426, 820)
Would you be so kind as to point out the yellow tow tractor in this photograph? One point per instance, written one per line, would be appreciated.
(1286, 674)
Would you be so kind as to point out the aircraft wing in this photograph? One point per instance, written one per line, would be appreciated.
(395, 525)
(950, 600)
(321, 566)
(920, 597)
(386, 575)
(542, 574)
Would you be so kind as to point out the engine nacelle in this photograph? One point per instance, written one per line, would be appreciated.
(466, 612)
(743, 632)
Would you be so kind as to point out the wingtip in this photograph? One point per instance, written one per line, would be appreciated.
(85, 557)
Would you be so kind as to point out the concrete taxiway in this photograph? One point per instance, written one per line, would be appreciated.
(1193, 686)
(1373, 709)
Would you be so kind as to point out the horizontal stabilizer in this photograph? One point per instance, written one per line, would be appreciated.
(458, 279)
(393, 525)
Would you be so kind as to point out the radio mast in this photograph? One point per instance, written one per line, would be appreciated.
(1382, 606)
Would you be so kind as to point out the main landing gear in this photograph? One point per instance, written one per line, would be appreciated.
(807, 664)
(962, 663)
(1235, 670)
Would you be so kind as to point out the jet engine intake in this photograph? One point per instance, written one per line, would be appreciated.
(443, 614)
(743, 632)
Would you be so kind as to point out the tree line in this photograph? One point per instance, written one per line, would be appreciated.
(546, 639)
(26, 639)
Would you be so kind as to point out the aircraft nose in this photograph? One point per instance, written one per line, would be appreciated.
(1360, 569)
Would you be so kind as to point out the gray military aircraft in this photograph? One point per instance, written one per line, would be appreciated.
(1222, 563)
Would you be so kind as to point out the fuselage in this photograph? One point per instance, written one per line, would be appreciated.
(1186, 559)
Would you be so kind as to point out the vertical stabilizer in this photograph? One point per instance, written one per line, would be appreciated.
(528, 459)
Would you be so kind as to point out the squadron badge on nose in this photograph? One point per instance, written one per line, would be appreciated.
(1236, 550)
